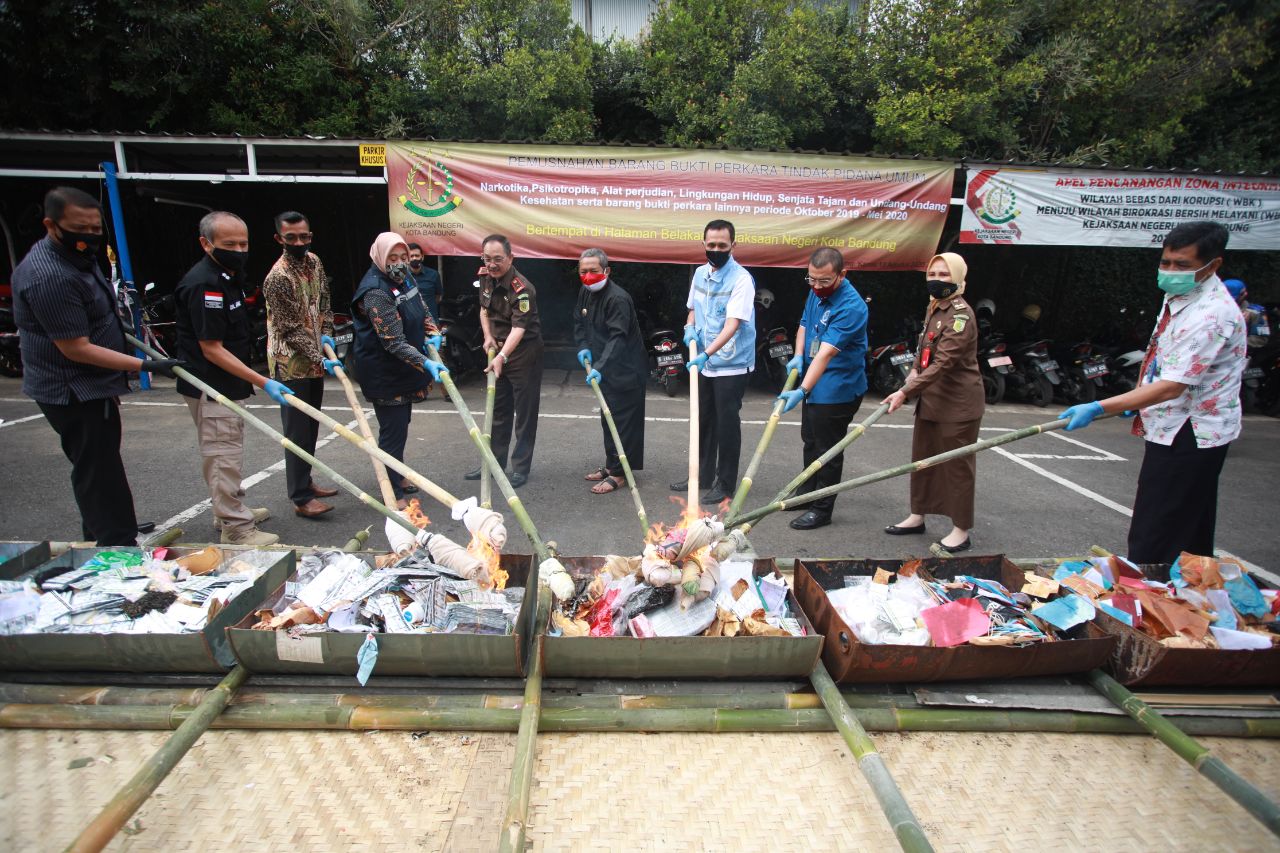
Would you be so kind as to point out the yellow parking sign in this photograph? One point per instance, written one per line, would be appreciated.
(373, 155)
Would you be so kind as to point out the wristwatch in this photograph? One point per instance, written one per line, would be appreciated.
(503, 356)
(805, 392)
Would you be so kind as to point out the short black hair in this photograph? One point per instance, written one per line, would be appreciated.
(58, 199)
(497, 238)
(1209, 238)
(413, 246)
(720, 225)
(292, 217)
(827, 257)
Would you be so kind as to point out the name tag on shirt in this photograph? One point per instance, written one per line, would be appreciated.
(212, 300)
(235, 305)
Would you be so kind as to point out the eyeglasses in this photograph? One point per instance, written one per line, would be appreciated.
(295, 237)
(819, 282)
(489, 261)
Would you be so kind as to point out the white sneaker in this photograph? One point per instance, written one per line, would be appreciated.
(251, 537)
(260, 514)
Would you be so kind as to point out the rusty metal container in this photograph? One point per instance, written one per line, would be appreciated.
(681, 657)
(853, 662)
(334, 653)
(199, 651)
(18, 558)
(1141, 661)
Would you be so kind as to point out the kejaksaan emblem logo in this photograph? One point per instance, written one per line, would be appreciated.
(998, 205)
(428, 186)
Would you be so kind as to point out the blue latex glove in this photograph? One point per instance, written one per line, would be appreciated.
(796, 363)
(435, 368)
(794, 398)
(584, 355)
(366, 658)
(593, 375)
(697, 361)
(431, 341)
(325, 339)
(329, 364)
(1081, 416)
(690, 334)
(1128, 413)
(277, 391)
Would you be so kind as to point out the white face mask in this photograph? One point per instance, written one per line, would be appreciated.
(598, 286)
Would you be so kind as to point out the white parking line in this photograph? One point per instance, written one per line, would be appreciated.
(17, 421)
(246, 483)
(1107, 458)
(1110, 457)
(1063, 481)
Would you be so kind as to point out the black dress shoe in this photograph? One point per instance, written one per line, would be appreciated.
(895, 530)
(714, 495)
(146, 526)
(472, 475)
(956, 549)
(682, 486)
(517, 479)
(811, 520)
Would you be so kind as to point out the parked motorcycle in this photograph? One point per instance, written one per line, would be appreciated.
(889, 364)
(343, 348)
(773, 344)
(10, 350)
(159, 324)
(993, 363)
(1123, 367)
(1034, 374)
(461, 338)
(666, 359)
(1083, 373)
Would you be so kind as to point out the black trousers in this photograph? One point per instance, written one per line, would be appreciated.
(517, 397)
(1176, 507)
(720, 429)
(627, 406)
(90, 433)
(821, 426)
(393, 433)
(302, 430)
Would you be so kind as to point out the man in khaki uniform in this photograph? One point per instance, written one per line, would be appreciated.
(509, 318)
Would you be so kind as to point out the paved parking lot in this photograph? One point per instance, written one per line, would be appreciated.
(1053, 494)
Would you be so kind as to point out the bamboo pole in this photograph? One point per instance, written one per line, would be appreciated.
(744, 485)
(164, 538)
(889, 473)
(379, 470)
(520, 787)
(130, 798)
(490, 396)
(261, 425)
(558, 714)
(901, 819)
(622, 454)
(488, 460)
(1189, 750)
(800, 479)
(692, 504)
(358, 541)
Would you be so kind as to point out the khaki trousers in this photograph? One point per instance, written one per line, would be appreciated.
(221, 435)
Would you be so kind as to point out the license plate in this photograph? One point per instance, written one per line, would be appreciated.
(1092, 370)
(1000, 361)
(1253, 373)
(781, 351)
(670, 358)
(901, 358)
(1047, 365)
(344, 339)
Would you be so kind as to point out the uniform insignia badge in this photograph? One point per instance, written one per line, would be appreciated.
(959, 322)
(522, 303)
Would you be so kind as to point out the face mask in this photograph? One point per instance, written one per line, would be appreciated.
(593, 281)
(1177, 282)
(415, 265)
(397, 272)
(297, 251)
(80, 243)
(718, 259)
(230, 259)
(824, 292)
(940, 289)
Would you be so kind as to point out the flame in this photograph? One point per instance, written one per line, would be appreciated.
(485, 553)
(415, 514)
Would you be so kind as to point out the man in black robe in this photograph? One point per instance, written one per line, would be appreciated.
(608, 333)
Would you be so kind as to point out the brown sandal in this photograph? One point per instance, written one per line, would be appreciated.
(607, 485)
(597, 475)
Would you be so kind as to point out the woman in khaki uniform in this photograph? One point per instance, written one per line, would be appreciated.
(947, 386)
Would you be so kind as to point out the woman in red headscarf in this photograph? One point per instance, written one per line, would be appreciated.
(947, 386)
(392, 326)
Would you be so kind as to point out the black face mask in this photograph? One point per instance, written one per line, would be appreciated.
(297, 251)
(231, 259)
(718, 259)
(939, 289)
(85, 245)
(415, 265)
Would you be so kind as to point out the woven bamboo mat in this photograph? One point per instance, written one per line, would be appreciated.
(386, 791)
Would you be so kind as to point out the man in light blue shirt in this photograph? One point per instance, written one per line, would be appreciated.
(722, 320)
(831, 349)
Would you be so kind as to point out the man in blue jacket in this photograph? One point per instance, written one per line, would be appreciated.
(831, 349)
